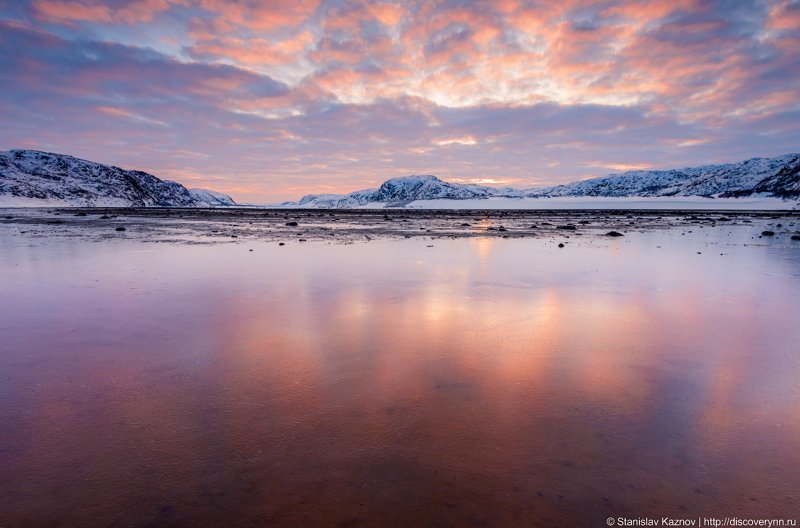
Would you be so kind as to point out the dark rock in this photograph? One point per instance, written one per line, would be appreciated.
(291, 224)
(281, 244)
(614, 234)
(795, 237)
(768, 233)
(561, 245)
(568, 227)
(120, 229)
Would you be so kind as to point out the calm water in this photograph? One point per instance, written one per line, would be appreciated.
(479, 382)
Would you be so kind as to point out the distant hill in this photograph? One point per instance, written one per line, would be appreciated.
(774, 177)
(30, 177)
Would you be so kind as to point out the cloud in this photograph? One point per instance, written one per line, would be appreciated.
(129, 12)
(284, 98)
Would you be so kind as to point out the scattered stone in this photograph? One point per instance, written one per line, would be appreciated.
(281, 244)
(561, 245)
(120, 229)
(568, 227)
(768, 233)
(80, 214)
(291, 224)
(466, 225)
(234, 236)
(614, 234)
(795, 237)
(501, 228)
(105, 217)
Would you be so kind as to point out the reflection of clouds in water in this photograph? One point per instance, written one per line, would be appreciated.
(480, 371)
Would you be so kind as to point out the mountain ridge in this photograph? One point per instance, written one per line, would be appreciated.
(31, 176)
(777, 177)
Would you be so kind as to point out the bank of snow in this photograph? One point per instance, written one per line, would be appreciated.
(760, 203)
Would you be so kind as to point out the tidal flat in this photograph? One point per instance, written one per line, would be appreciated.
(251, 367)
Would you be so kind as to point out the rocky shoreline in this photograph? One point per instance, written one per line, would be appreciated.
(192, 225)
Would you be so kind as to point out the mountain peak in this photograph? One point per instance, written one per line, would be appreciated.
(414, 178)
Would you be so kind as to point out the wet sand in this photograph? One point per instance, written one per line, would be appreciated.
(404, 372)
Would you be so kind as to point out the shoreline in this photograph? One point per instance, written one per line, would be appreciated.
(225, 225)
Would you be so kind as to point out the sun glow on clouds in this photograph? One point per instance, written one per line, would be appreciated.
(463, 140)
(311, 94)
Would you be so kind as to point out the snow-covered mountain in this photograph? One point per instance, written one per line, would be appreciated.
(211, 198)
(29, 177)
(777, 177)
(398, 190)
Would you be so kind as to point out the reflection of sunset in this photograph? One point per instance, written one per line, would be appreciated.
(495, 366)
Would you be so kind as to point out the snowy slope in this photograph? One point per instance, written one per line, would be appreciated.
(730, 179)
(765, 177)
(29, 177)
(211, 198)
(398, 190)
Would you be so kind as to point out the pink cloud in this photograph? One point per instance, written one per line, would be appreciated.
(94, 11)
(262, 15)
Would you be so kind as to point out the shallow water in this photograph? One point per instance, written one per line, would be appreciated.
(478, 382)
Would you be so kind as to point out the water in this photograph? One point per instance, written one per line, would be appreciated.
(478, 382)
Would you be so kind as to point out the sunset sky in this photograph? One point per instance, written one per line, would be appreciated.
(272, 100)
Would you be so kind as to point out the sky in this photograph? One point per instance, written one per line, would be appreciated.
(271, 100)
